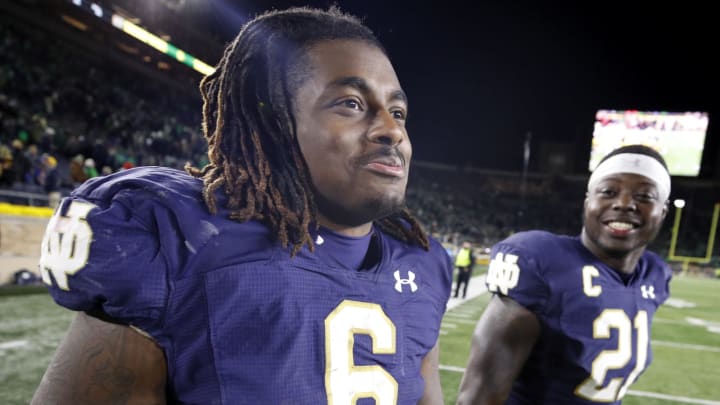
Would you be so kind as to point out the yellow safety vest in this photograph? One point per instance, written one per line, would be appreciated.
(463, 258)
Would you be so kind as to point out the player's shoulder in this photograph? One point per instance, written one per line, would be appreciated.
(657, 265)
(521, 267)
(143, 229)
(413, 254)
(161, 184)
(653, 258)
(437, 249)
(402, 248)
(168, 203)
(534, 242)
(431, 267)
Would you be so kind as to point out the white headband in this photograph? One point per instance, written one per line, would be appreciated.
(635, 163)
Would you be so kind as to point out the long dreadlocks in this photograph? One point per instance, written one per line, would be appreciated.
(253, 152)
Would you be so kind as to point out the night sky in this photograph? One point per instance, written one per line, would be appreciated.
(481, 75)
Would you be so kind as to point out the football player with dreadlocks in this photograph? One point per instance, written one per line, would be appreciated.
(287, 270)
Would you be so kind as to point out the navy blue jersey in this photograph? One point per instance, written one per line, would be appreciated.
(595, 334)
(239, 320)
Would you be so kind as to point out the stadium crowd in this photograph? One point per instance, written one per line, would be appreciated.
(64, 118)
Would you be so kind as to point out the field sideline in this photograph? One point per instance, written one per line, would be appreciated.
(686, 345)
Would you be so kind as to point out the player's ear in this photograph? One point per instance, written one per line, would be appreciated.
(666, 208)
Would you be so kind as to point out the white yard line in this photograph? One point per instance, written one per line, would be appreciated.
(13, 344)
(458, 320)
(459, 315)
(452, 368)
(670, 321)
(687, 346)
(674, 398)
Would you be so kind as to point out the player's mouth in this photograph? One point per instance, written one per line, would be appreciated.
(620, 228)
(387, 163)
(387, 166)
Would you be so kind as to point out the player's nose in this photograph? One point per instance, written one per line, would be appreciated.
(386, 129)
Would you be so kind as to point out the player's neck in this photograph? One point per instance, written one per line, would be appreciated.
(347, 230)
(622, 262)
(341, 250)
(625, 264)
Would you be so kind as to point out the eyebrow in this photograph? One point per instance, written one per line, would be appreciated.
(361, 85)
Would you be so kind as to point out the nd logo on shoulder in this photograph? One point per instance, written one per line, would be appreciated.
(503, 273)
(66, 244)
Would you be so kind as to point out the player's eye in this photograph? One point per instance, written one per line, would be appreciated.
(399, 114)
(351, 103)
(646, 197)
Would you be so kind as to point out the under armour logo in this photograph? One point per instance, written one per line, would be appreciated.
(401, 281)
(648, 291)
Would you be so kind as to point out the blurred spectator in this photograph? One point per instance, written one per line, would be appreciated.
(89, 168)
(49, 178)
(7, 176)
(127, 165)
(77, 170)
(20, 162)
(464, 263)
(32, 156)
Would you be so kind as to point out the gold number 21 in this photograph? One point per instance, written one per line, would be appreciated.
(592, 388)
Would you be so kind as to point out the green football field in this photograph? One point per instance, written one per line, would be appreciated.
(686, 345)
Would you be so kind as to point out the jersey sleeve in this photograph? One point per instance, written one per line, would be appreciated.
(515, 271)
(113, 248)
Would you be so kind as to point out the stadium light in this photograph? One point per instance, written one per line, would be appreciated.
(679, 203)
(142, 35)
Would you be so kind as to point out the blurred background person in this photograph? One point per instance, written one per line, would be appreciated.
(464, 262)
